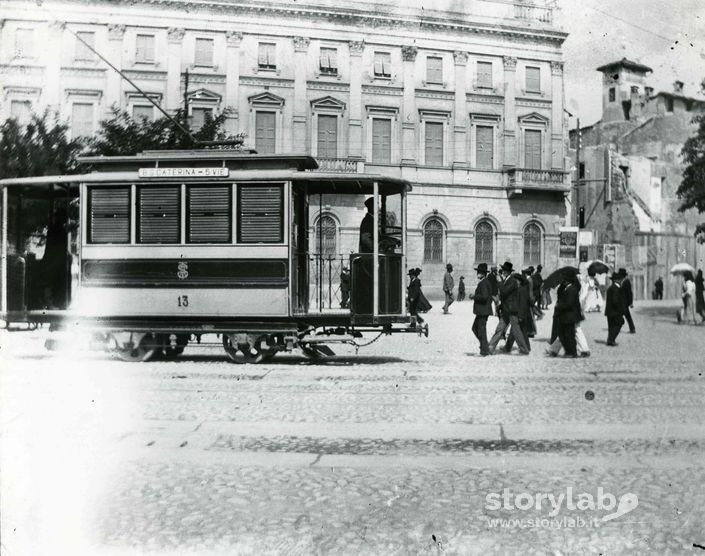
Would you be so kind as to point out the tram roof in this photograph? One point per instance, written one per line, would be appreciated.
(316, 182)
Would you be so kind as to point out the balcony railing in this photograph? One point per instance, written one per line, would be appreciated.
(343, 165)
(527, 12)
(518, 180)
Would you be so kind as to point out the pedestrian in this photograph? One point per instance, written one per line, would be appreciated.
(423, 305)
(688, 296)
(658, 288)
(568, 311)
(448, 285)
(581, 343)
(700, 295)
(344, 287)
(482, 307)
(526, 321)
(628, 296)
(494, 280)
(509, 310)
(414, 294)
(538, 283)
(461, 288)
(614, 309)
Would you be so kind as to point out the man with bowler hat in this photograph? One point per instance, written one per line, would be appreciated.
(509, 303)
(628, 296)
(614, 309)
(568, 312)
(482, 307)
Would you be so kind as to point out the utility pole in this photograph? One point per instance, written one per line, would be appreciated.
(578, 140)
(186, 100)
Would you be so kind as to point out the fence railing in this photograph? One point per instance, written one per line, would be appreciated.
(528, 12)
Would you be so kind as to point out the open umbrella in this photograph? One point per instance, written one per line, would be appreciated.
(682, 268)
(556, 277)
(597, 267)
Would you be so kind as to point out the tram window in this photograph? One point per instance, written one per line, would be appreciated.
(158, 214)
(208, 214)
(260, 213)
(109, 215)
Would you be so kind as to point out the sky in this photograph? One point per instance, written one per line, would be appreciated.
(666, 35)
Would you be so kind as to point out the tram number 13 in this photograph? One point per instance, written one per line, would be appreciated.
(182, 301)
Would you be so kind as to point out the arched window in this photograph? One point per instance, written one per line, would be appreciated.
(484, 242)
(326, 237)
(532, 244)
(433, 241)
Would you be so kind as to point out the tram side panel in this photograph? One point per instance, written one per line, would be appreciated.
(124, 273)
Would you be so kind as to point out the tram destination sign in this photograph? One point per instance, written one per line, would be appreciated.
(183, 172)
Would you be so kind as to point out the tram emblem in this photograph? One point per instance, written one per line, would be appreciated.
(182, 270)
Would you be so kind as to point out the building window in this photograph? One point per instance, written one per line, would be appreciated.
(204, 53)
(383, 64)
(532, 149)
(532, 244)
(21, 110)
(266, 56)
(484, 147)
(433, 143)
(24, 43)
(381, 140)
(144, 49)
(82, 119)
(328, 61)
(433, 234)
(199, 116)
(669, 104)
(484, 242)
(484, 75)
(326, 237)
(142, 112)
(434, 69)
(533, 79)
(327, 135)
(613, 94)
(83, 52)
(265, 132)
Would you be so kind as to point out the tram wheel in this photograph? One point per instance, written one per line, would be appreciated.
(142, 350)
(246, 352)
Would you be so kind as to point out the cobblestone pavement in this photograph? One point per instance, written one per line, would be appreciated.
(412, 446)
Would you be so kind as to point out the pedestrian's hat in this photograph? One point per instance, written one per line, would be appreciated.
(370, 202)
(623, 271)
(507, 266)
(615, 276)
(412, 272)
(531, 269)
(482, 267)
(462, 277)
(417, 271)
(539, 268)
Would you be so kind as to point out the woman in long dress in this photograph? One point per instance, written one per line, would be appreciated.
(594, 301)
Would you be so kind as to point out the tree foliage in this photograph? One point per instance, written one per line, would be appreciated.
(124, 135)
(41, 148)
(691, 191)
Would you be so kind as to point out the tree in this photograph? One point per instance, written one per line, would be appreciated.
(41, 148)
(124, 135)
(691, 191)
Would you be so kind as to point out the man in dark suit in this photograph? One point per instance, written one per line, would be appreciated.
(628, 299)
(568, 312)
(524, 313)
(614, 309)
(538, 283)
(414, 295)
(482, 307)
(509, 300)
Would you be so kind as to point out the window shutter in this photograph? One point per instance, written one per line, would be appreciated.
(532, 244)
(434, 143)
(381, 140)
(159, 212)
(327, 135)
(265, 132)
(208, 213)
(485, 147)
(532, 149)
(109, 209)
(260, 213)
(434, 69)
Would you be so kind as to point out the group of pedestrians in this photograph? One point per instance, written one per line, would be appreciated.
(693, 298)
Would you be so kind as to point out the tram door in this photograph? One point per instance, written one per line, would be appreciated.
(299, 250)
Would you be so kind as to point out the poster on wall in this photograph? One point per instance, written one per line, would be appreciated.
(568, 248)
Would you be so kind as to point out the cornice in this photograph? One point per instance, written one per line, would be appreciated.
(534, 103)
(441, 95)
(82, 71)
(381, 90)
(326, 86)
(21, 69)
(486, 99)
(359, 18)
(267, 82)
(148, 75)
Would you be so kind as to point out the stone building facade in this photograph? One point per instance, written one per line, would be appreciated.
(465, 101)
(631, 163)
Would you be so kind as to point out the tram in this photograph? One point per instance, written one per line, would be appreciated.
(155, 250)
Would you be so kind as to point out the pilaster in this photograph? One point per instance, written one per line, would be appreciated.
(410, 115)
(510, 112)
(460, 116)
(299, 142)
(557, 132)
(232, 80)
(113, 92)
(173, 69)
(355, 149)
